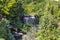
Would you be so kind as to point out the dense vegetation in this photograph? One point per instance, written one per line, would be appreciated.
(47, 12)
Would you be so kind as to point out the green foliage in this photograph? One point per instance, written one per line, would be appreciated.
(2, 39)
(48, 22)
(5, 6)
(8, 35)
(4, 30)
(3, 24)
(47, 28)
(48, 12)
(27, 27)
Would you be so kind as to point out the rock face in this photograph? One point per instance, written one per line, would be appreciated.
(31, 34)
(29, 19)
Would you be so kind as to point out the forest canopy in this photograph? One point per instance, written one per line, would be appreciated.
(47, 13)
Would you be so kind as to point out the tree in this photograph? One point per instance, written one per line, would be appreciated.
(48, 22)
(5, 6)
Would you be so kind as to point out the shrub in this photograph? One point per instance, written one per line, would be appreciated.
(4, 30)
(47, 28)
